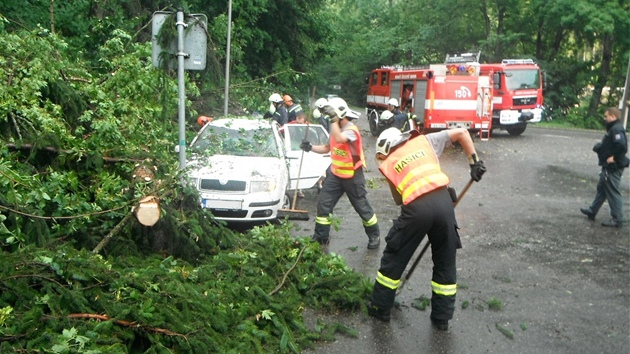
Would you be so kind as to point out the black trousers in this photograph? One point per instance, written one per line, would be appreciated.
(332, 190)
(432, 214)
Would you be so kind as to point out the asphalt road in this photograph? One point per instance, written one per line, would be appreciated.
(560, 280)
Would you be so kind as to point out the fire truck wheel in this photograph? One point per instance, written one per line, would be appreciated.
(373, 119)
(516, 130)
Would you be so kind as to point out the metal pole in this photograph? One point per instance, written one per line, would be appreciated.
(227, 60)
(623, 104)
(181, 88)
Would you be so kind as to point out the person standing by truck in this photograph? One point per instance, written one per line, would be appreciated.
(611, 154)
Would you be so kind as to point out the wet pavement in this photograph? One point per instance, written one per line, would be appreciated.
(560, 280)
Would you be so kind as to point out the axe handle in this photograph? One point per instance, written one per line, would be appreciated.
(297, 182)
(426, 245)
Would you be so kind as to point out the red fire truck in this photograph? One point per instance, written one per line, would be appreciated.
(517, 95)
(442, 96)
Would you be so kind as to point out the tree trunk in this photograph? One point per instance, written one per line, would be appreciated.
(52, 16)
(602, 78)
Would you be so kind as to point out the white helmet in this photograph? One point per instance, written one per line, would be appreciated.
(316, 113)
(340, 106)
(275, 98)
(393, 102)
(353, 114)
(386, 116)
(389, 139)
(321, 102)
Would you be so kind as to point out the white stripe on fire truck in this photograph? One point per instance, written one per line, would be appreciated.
(464, 105)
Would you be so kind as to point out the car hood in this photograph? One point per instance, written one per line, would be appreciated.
(237, 167)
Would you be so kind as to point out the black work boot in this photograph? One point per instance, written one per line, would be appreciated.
(373, 233)
(374, 242)
(588, 212)
(321, 241)
(441, 325)
(380, 314)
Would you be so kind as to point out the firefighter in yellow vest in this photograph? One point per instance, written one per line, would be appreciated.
(410, 163)
(345, 174)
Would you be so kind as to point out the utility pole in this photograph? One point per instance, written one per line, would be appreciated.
(227, 60)
(623, 104)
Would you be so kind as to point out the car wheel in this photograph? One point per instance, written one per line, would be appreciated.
(286, 201)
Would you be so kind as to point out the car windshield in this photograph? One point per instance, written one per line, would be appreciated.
(522, 79)
(216, 140)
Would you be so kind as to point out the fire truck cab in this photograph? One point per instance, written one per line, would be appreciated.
(442, 96)
(517, 93)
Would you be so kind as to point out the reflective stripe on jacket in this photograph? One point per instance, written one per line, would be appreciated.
(414, 169)
(343, 163)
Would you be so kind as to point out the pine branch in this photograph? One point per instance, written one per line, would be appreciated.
(112, 233)
(284, 278)
(69, 152)
(134, 324)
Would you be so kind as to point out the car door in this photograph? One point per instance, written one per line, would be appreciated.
(308, 166)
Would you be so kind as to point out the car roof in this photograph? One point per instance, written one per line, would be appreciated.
(240, 123)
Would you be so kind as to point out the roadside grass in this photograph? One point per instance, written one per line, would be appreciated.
(555, 124)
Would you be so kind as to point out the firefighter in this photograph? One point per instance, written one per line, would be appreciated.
(345, 174)
(293, 109)
(400, 121)
(409, 161)
(392, 106)
(277, 109)
(324, 120)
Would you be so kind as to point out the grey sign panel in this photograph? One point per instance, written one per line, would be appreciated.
(195, 41)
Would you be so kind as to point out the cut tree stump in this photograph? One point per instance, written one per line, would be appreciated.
(148, 211)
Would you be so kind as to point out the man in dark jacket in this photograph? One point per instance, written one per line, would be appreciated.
(293, 109)
(277, 109)
(611, 153)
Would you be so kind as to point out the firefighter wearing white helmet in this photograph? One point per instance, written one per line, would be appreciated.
(386, 116)
(387, 141)
(345, 174)
(277, 109)
(401, 121)
(392, 106)
(410, 164)
(317, 113)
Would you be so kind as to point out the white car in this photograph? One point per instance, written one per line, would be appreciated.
(313, 165)
(240, 166)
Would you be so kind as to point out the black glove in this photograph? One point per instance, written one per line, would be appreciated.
(306, 146)
(596, 147)
(329, 111)
(477, 170)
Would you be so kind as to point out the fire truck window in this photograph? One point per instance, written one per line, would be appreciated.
(374, 79)
(522, 79)
(384, 79)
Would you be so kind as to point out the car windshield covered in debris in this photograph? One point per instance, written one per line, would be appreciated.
(237, 139)
(238, 166)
